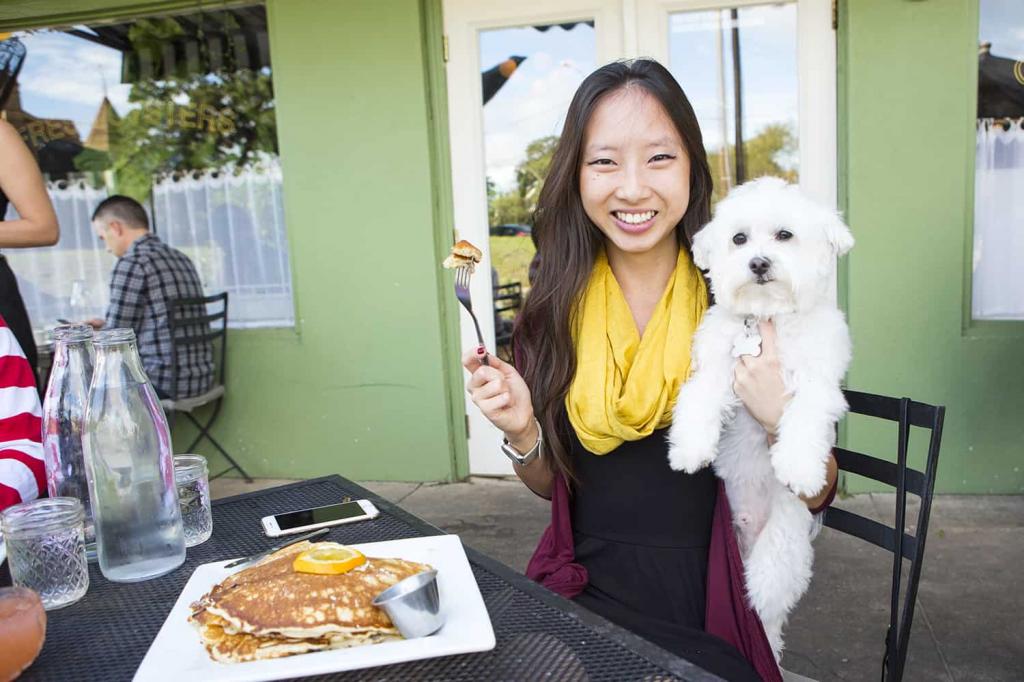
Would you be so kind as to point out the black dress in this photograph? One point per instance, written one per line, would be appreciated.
(643, 531)
(12, 307)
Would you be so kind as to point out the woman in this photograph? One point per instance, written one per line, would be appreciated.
(22, 184)
(602, 346)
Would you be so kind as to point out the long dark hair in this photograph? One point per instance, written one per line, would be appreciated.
(567, 242)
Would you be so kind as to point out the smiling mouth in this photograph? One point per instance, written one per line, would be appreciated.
(763, 279)
(634, 218)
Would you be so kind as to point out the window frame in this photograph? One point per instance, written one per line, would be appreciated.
(970, 327)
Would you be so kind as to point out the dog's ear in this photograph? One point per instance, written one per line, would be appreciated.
(837, 233)
(701, 247)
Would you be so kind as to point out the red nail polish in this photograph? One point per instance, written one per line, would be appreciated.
(480, 350)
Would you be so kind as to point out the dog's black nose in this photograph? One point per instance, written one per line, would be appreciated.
(759, 266)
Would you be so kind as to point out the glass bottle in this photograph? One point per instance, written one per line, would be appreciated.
(139, 533)
(64, 417)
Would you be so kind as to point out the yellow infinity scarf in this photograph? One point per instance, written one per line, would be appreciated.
(626, 386)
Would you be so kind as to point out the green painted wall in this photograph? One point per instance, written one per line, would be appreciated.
(908, 80)
(361, 386)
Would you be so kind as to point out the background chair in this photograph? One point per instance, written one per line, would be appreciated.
(508, 298)
(192, 324)
(905, 547)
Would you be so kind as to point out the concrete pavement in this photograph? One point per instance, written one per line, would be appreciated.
(967, 625)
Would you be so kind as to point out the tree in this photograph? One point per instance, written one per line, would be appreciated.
(518, 205)
(766, 154)
(531, 172)
(189, 120)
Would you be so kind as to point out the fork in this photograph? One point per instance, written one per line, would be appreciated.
(462, 293)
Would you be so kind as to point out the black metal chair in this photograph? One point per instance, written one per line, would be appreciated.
(507, 298)
(193, 325)
(905, 547)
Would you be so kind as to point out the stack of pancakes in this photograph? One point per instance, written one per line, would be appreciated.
(269, 610)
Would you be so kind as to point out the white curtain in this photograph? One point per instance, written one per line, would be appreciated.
(232, 226)
(230, 223)
(998, 287)
(70, 280)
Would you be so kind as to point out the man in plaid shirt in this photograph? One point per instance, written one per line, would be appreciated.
(147, 276)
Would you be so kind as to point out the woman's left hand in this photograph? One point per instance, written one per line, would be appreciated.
(757, 381)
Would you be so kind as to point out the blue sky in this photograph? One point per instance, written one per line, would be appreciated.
(768, 60)
(63, 77)
(1002, 24)
(533, 102)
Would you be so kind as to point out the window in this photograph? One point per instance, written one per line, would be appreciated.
(997, 290)
(176, 111)
(738, 67)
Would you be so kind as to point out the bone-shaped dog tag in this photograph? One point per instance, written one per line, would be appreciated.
(748, 342)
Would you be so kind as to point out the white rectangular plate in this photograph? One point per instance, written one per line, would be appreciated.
(176, 654)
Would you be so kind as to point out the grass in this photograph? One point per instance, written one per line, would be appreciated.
(511, 257)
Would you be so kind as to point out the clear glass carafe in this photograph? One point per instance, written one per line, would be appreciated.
(139, 533)
(64, 418)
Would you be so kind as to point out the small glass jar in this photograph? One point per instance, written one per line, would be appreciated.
(193, 480)
(46, 549)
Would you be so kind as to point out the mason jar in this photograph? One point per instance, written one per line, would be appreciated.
(193, 480)
(46, 549)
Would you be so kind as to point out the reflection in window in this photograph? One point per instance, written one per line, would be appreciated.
(176, 111)
(530, 75)
(997, 288)
(738, 68)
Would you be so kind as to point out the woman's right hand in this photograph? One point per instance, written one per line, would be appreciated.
(502, 396)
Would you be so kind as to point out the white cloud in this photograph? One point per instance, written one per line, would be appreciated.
(504, 151)
(539, 61)
(73, 72)
(532, 107)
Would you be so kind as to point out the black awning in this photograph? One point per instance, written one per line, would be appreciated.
(183, 45)
(1000, 86)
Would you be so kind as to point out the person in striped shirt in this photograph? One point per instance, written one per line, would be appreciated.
(22, 473)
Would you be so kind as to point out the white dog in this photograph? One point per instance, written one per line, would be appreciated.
(771, 255)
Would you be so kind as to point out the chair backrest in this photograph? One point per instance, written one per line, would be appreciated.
(905, 547)
(192, 323)
(508, 297)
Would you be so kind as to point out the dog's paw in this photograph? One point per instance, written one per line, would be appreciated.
(802, 472)
(687, 455)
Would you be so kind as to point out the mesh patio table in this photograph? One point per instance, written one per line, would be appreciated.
(540, 636)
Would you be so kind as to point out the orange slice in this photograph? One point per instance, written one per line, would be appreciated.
(328, 558)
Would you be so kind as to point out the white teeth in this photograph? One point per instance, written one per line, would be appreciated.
(634, 218)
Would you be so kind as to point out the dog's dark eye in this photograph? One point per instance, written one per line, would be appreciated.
(783, 235)
(739, 238)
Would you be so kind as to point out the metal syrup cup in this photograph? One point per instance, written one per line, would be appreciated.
(413, 605)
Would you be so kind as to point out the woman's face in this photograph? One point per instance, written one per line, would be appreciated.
(635, 173)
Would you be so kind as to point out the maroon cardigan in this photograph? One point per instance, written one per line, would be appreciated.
(728, 614)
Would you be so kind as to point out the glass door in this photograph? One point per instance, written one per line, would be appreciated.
(512, 70)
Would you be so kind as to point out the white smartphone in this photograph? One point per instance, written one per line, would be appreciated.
(301, 520)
